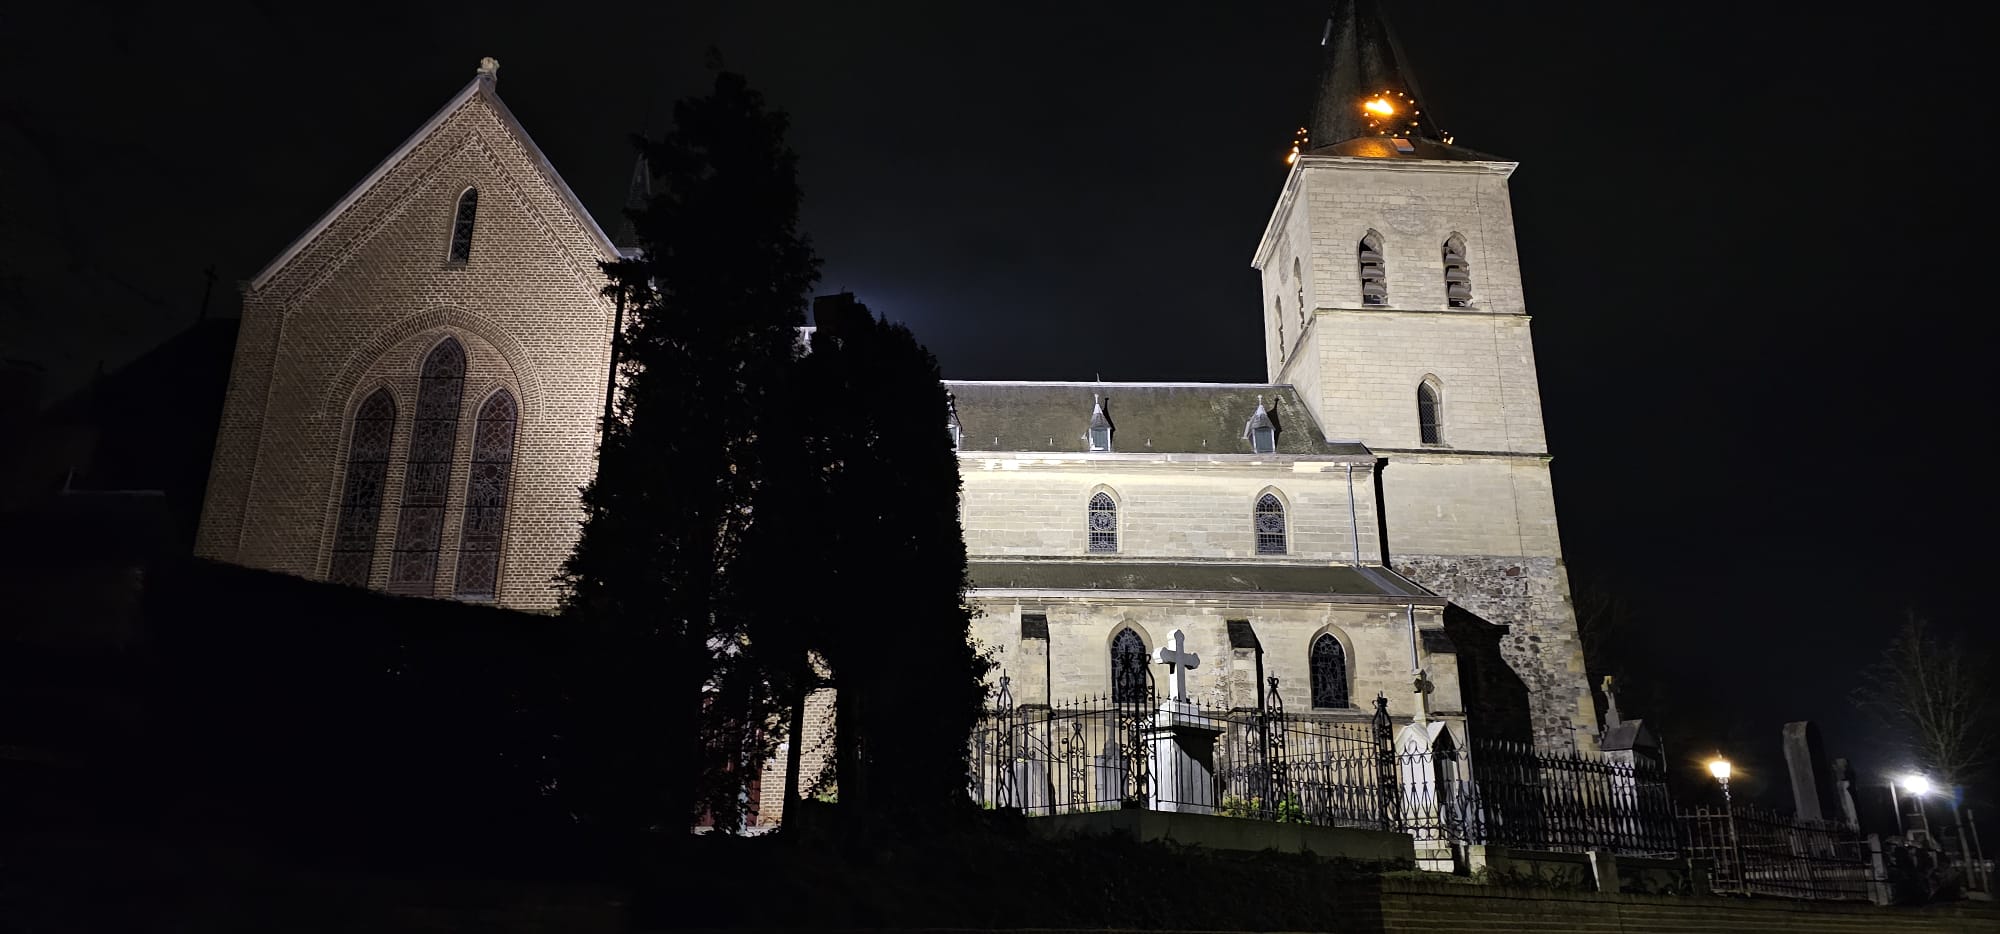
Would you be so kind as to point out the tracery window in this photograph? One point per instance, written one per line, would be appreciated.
(1374, 271)
(361, 494)
(1103, 523)
(1329, 672)
(1269, 521)
(486, 497)
(426, 480)
(461, 226)
(1128, 668)
(1430, 417)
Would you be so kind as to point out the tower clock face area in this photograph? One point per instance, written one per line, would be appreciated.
(1390, 112)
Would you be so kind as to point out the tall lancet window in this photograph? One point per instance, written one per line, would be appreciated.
(1103, 523)
(1457, 273)
(361, 494)
(1269, 521)
(1374, 271)
(1329, 672)
(1128, 669)
(486, 497)
(1430, 413)
(461, 226)
(427, 479)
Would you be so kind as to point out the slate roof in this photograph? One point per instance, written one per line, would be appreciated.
(1146, 418)
(1367, 583)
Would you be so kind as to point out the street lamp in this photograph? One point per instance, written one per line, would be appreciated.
(1719, 769)
(1919, 786)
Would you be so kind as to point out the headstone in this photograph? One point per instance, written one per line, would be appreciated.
(1032, 688)
(1246, 666)
(1182, 739)
(1814, 795)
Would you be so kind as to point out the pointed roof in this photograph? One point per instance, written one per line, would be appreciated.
(638, 194)
(483, 86)
(1368, 96)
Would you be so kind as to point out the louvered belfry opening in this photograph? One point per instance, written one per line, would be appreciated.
(1374, 273)
(1457, 273)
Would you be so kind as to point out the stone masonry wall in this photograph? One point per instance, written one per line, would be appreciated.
(1530, 596)
(1038, 508)
(359, 306)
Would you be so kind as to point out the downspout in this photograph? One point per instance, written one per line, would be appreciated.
(1353, 515)
(611, 376)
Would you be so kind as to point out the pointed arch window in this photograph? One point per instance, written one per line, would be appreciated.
(1374, 271)
(1329, 672)
(361, 493)
(1457, 273)
(461, 226)
(1128, 668)
(1269, 523)
(427, 478)
(1430, 413)
(486, 497)
(1103, 524)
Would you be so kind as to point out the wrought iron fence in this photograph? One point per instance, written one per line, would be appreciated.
(1114, 751)
(1760, 852)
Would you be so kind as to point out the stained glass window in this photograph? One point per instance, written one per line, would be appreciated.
(1429, 427)
(1329, 672)
(486, 497)
(426, 480)
(1269, 521)
(461, 225)
(1103, 523)
(361, 494)
(1128, 668)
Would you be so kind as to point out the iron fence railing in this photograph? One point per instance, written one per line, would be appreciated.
(1106, 752)
(1760, 852)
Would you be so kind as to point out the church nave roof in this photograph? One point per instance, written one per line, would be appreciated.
(1146, 418)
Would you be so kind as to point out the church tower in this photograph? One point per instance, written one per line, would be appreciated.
(1393, 302)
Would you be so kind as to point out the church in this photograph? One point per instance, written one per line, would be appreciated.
(418, 379)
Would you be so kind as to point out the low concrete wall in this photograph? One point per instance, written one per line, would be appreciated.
(1232, 833)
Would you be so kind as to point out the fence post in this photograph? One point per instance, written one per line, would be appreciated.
(1003, 745)
(1388, 789)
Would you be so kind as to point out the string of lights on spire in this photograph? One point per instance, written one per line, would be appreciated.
(1389, 113)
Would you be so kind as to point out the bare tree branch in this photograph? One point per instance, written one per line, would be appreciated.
(1933, 692)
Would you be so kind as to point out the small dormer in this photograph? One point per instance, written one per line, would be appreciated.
(1100, 425)
(1261, 431)
(951, 420)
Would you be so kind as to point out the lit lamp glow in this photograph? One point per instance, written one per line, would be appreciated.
(1719, 768)
(1380, 106)
(1917, 785)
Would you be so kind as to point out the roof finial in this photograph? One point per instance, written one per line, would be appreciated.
(489, 69)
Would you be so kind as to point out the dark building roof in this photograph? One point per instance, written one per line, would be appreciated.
(1361, 60)
(1146, 418)
(1370, 584)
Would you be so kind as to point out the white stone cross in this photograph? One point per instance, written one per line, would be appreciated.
(1179, 662)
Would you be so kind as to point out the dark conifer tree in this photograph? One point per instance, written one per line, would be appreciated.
(713, 308)
(888, 561)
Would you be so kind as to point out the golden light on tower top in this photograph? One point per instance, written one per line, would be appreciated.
(1298, 145)
(1391, 113)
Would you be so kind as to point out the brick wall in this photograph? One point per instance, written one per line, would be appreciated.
(357, 308)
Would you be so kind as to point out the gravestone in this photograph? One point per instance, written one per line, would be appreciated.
(1182, 739)
(1814, 795)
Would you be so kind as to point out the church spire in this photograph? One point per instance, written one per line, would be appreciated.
(1366, 87)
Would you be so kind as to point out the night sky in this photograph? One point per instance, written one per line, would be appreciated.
(1751, 245)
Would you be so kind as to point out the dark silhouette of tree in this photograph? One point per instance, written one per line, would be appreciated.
(1935, 694)
(712, 311)
(873, 526)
